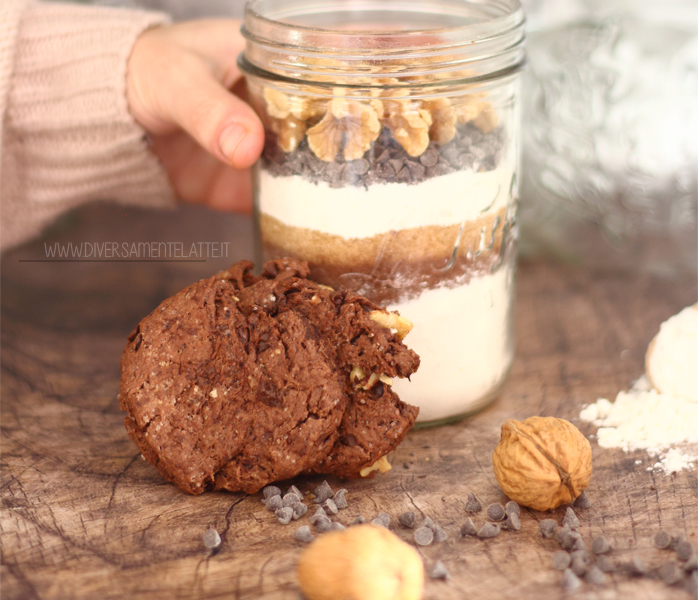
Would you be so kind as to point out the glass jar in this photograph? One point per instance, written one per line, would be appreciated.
(390, 165)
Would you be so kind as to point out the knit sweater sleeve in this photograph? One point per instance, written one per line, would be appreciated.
(66, 134)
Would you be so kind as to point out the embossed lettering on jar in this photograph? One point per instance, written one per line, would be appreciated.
(390, 165)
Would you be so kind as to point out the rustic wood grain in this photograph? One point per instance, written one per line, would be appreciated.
(83, 516)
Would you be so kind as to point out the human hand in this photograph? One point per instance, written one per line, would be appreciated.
(178, 83)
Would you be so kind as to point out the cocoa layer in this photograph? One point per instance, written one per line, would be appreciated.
(397, 265)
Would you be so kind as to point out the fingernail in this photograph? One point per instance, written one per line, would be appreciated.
(230, 139)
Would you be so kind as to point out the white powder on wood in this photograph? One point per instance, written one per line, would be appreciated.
(643, 419)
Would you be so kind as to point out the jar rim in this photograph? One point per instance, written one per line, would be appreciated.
(481, 37)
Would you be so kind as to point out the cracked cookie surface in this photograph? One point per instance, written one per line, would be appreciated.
(240, 380)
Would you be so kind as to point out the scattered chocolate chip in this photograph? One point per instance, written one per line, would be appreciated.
(299, 509)
(323, 491)
(211, 539)
(570, 581)
(319, 513)
(330, 506)
(579, 566)
(439, 534)
(439, 571)
(382, 519)
(567, 538)
(339, 499)
(495, 512)
(635, 566)
(284, 515)
(290, 499)
(570, 519)
(582, 501)
(472, 504)
(684, 550)
(294, 490)
(600, 545)
(691, 563)
(488, 530)
(677, 540)
(579, 545)
(468, 528)
(274, 503)
(595, 575)
(428, 522)
(693, 584)
(322, 524)
(407, 519)
(429, 158)
(303, 534)
(271, 490)
(547, 528)
(358, 520)
(561, 560)
(663, 540)
(423, 536)
(670, 573)
(337, 527)
(512, 523)
(511, 508)
(605, 563)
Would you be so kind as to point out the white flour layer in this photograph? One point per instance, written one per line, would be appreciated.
(643, 419)
(462, 337)
(357, 212)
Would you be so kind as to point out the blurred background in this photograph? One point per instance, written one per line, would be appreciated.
(610, 136)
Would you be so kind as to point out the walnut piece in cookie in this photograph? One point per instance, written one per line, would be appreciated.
(241, 380)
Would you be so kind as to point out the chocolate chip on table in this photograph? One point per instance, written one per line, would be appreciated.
(319, 513)
(512, 523)
(323, 491)
(547, 528)
(670, 573)
(677, 540)
(303, 534)
(561, 560)
(579, 545)
(570, 581)
(439, 534)
(495, 512)
(579, 565)
(284, 514)
(595, 575)
(299, 509)
(691, 564)
(339, 499)
(269, 491)
(211, 539)
(439, 571)
(330, 506)
(570, 519)
(337, 527)
(322, 524)
(468, 528)
(512, 507)
(407, 519)
(274, 503)
(382, 519)
(428, 522)
(684, 550)
(582, 501)
(635, 566)
(472, 504)
(600, 545)
(358, 520)
(488, 530)
(567, 538)
(294, 490)
(290, 499)
(423, 536)
(663, 540)
(605, 563)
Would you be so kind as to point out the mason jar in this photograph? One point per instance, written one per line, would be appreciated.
(390, 166)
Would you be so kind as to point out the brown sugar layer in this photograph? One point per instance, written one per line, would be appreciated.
(398, 265)
(238, 381)
(387, 161)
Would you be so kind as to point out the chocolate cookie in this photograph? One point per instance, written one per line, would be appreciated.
(241, 380)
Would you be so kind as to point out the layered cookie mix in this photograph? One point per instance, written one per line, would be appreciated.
(241, 380)
(409, 202)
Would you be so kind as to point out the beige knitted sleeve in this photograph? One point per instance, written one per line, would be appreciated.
(67, 136)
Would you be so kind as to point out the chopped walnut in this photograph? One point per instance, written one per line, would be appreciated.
(480, 114)
(381, 465)
(358, 374)
(290, 132)
(391, 321)
(281, 105)
(443, 117)
(346, 119)
(409, 125)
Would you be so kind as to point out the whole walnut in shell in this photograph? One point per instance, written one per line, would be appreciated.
(542, 462)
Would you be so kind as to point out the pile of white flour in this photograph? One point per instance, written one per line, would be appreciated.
(643, 419)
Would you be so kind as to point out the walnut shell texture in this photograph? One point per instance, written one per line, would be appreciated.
(542, 462)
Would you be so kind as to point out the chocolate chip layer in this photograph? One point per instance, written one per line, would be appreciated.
(238, 381)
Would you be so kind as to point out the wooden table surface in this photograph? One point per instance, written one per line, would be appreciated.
(84, 517)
